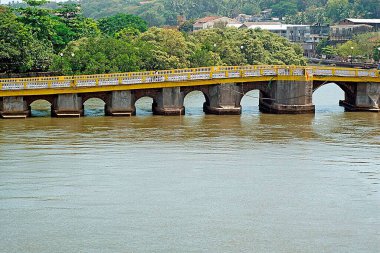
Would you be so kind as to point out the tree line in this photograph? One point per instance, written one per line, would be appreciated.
(35, 38)
(165, 12)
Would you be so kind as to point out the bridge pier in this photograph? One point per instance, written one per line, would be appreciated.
(366, 98)
(287, 97)
(14, 107)
(67, 105)
(223, 100)
(120, 103)
(169, 102)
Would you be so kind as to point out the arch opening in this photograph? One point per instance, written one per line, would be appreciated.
(326, 98)
(40, 108)
(144, 105)
(250, 102)
(94, 107)
(193, 102)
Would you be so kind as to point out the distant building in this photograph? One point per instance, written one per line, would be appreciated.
(375, 23)
(236, 25)
(274, 27)
(318, 32)
(204, 23)
(215, 21)
(342, 33)
(294, 33)
(266, 14)
(242, 18)
(320, 29)
(298, 33)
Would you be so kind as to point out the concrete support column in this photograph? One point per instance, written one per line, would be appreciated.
(366, 98)
(288, 97)
(169, 102)
(223, 99)
(67, 105)
(13, 107)
(120, 103)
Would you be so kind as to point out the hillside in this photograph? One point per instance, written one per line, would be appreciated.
(165, 12)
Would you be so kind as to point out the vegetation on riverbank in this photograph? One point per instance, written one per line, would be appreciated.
(34, 38)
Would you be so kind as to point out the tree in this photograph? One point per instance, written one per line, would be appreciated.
(338, 9)
(71, 14)
(97, 55)
(114, 24)
(187, 26)
(170, 48)
(20, 51)
(322, 44)
(45, 26)
(245, 46)
(329, 51)
(284, 7)
(349, 48)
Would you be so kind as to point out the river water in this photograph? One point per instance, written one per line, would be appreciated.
(196, 183)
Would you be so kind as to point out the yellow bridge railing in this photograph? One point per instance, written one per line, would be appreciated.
(190, 75)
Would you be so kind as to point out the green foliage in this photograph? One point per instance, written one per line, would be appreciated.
(376, 53)
(284, 7)
(364, 46)
(329, 51)
(35, 3)
(322, 44)
(97, 55)
(71, 14)
(338, 9)
(164, 12)
(187, 26)
(112, 25)
(45, 26)
(311, 15)
(123, 44)
(349, 48)
(245, 46)
(20, 51)
(160, 48)
(170, 49)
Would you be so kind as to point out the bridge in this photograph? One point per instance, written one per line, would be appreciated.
(283, 89)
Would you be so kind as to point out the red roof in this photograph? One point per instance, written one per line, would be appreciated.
(206, 19)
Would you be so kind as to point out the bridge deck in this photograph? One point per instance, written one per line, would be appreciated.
(180, 77)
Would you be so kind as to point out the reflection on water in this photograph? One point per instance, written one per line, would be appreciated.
(144, 106)
(250, 183)
(41, 108)
(94, 107)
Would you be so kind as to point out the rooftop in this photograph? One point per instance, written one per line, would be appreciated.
(364, 20)
(207, 19)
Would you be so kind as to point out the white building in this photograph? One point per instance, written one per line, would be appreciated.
(211, 21)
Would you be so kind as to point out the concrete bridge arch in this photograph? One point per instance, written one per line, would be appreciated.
(349, 89)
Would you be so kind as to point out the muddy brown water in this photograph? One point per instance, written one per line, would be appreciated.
(196, 183)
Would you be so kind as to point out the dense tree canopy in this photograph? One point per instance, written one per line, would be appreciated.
(160, 48)
(19, 50)
(97, 55)
(112, 25)
(165, 12)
